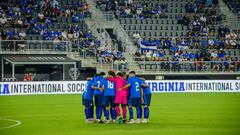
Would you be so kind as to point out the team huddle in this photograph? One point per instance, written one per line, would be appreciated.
(108, 94)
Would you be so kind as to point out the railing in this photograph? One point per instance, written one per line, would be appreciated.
(168, 67)
(35, 47)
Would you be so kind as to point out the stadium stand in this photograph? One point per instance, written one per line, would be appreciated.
(234, 6)
(189, 31)
(170, 35)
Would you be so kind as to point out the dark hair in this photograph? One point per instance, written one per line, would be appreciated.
(132, 72)
(102, 73)
(120, 74)
(112, 73)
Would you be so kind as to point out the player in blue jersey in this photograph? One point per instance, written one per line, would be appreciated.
(134, 86)
(98, 95)
(88, 100)
(147, 95)
(109, 93)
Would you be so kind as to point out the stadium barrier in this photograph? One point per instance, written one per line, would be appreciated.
(77, 87)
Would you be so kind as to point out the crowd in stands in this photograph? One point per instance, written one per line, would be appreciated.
(37, 17)
(137, 9)
(203, 42)
(233, 5)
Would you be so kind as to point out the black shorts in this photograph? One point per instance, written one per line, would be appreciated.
(98, 99)
(136, 102)
(147, 99)
(109, 101)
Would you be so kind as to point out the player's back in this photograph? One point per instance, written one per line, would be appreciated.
(120, 82)
(88, 90)
(135, 87)
(109, 87)
(146, 90)
(97, 82)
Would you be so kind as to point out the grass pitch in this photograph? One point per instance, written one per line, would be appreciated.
(170, 114)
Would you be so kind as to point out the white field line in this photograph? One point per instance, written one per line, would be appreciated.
(17, 123)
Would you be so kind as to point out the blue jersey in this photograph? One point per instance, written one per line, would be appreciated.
(146, 90)
(97, 82)
(135, 87)
(88, 93)
(109, 87)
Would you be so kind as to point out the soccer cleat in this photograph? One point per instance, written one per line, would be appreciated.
(114, 121)
(138, 121)
(145, 121)
(124, 120)
(99, 121)
(107, 121)
(88, 121)
(91, 119)
(131, 121)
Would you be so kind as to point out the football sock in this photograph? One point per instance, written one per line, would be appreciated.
(118, 110)
(130, 112)
(91, 112)
(124, 112)
(104, 110)
(114, 114)
(106, 113)
(138, 109)
(146, 112)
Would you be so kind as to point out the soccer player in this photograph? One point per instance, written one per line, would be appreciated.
(109, 97)
(147, 95)
(121, 95)
(87, 100)
(134, 84)
(98, 95)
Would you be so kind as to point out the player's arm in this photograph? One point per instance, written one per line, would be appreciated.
(111, 79)
(96, 88)
(124, 87)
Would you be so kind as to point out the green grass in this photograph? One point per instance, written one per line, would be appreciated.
(171, 114)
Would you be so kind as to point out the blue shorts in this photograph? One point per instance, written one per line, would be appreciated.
(109, 101)
(98, 100)
(136, 102)
(147, 99)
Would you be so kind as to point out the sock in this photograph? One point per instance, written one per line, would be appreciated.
(114, 114)
(111, 112)
(104, 110)
(97, 112)
(138, 112)
(141, 110)
(91, 112)
(130, 112)
(88, 112)
(106, 113)
(146, 112)
(124, 112)
(85, 111)
(118, 110)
